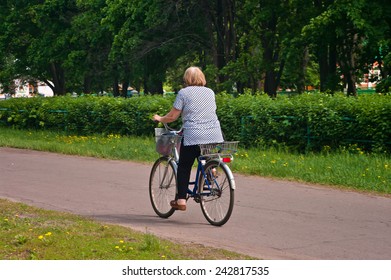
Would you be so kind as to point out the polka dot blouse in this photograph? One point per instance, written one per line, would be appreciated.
(200, 122)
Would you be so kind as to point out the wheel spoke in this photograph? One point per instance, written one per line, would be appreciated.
(217, 202)
(162, 187)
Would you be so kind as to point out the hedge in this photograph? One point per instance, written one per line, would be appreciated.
(303, 122)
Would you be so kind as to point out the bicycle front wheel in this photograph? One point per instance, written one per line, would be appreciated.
(217, 193)
(162, 186)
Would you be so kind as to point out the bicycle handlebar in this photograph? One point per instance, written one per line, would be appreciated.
(166, 126)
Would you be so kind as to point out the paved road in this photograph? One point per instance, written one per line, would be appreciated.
(272, 219)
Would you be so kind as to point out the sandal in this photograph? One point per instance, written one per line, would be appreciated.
(174, 204)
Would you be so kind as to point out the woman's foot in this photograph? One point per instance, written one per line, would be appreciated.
(179, 204)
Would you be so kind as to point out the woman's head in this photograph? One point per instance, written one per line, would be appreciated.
(194, 77)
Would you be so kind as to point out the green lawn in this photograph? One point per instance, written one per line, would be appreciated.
(29, 233)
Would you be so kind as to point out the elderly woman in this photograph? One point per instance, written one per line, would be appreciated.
(197, 106)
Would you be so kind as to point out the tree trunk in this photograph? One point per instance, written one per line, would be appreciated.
(328, 67)
(58, 79)
(220, 50)
(301, 83)
(347, 52)
(87, 84)
(125, 86)
(116, 92)
(270, 46)
(323, 68)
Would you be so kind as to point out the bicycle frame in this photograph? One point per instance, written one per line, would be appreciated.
(213, 186)
(200, 169)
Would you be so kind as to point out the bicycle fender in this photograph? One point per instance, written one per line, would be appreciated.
(230, 176)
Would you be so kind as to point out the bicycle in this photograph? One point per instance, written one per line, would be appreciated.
(214, 183)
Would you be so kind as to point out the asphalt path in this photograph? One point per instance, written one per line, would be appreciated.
(272, 219)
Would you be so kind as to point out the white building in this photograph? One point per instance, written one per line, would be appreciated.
(24, 89)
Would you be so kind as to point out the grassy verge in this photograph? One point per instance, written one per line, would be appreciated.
(29, 233)
(349, 168)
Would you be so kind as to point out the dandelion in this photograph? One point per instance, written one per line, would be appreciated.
(48, 233)
(121, 241)
(40, 237)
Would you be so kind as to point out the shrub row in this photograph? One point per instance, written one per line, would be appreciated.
(85, 115)
(303, 122)
(309, 121)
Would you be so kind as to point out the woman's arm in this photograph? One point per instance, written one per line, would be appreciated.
(171, 116)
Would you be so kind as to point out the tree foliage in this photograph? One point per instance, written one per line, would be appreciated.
(263, 45)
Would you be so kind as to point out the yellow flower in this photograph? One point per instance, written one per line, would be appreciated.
(121, 241)
(40, 237)
(48, 234)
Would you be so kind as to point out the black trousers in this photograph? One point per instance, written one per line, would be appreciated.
(187, 156)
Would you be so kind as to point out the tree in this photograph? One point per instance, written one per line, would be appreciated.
(37, 34)
(150, 35)
(345, 34)
(88, 67)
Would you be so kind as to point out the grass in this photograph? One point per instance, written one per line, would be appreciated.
(349, 168)
(29, 233)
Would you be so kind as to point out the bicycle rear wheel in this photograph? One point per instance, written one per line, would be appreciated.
(162, 186)
(217, 193)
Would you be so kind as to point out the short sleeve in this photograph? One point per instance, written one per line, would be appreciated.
(178, 104)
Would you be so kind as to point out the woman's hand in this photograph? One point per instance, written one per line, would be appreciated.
(157, 118)
(170, 117)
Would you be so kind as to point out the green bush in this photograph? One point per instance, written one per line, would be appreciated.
(309, 121)
(304, 122)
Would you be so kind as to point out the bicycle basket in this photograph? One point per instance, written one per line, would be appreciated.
(165, 141)
(225, 148)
